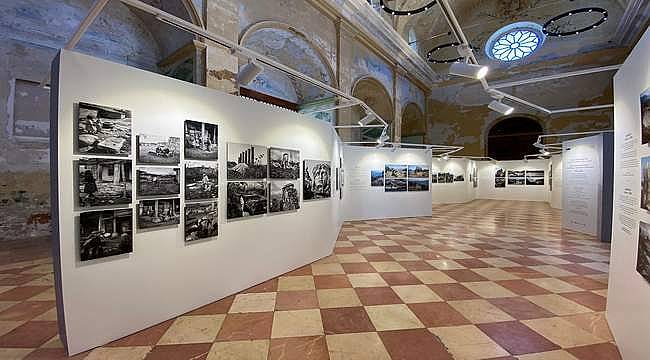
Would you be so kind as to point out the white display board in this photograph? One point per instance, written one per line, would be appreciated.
(488, 190)
(582, 176)
(556, 190)
(629, 293)
(457, 192)
(362, 201)
(103, 300)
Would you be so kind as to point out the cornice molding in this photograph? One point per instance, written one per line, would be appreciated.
(368, 26)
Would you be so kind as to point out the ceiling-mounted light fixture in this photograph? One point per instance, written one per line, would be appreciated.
(249, 72)
(445, 157)
(382, 139)
(471, 71)
(546, 153)
(367, 119)
(498, 106)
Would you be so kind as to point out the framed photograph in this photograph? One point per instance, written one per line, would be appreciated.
(645, 116)
(395, 171)
(158, 150)
(643, 252)
(500, 173)
(516, 177)
(105, 233)
(416, 184)
(104, 182)
(418, 171)
(459, 178)
(201, 221)
(201, 141)
(645, 183)
(246, 198)
(247, 162)
(284, 164)
(316, 179)
(103, 130)
(157, 181)
(376, 177)
(434, 178)
(284, 196)
(395, 185)
(534, 177)
(499, 182)
(201, 180)
(159, 213)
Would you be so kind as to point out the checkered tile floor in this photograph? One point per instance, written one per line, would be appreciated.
(485, 280)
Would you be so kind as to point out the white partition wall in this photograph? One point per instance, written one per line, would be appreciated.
(103, 300)
(629, 293)
(361, 201)
(556, 187)
(458, 191)
(488, 190)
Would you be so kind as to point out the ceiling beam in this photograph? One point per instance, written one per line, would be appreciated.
(556, 76)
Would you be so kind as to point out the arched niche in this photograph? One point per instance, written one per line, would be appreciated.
(413, 124)
(286, 45)
(512, 137)
(374, 94)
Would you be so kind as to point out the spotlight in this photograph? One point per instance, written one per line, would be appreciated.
(445, 157)
(367, 120)
(472, 71)
(382, 139)
(546, 153)
(500, 107)
(249, 72)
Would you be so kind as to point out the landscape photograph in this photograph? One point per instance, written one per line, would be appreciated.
(418, 171)
(103, 130)
(158, 150)
(395, 171)
(201, 180)
(246, 198)
(284, 164)
(157, 181)
(159, 213)
(418, 184)
(395, 185)
(247, 162)
(376, 177)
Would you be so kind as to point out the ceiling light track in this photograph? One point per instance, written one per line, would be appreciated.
(570, 14)
(395, 12)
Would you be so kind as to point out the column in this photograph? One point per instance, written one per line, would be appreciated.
(221, 17)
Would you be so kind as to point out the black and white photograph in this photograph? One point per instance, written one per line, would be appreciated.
(376, 177)
(104, 182)
(395, 171)
(284, 164)
(442, 177)
(499, 182)
(475, 177)
(201, 141)
(201, 180)
(645, 116)
(449, 178)
(645, 183)
(500, 173)
(516, 177)
(105, 233)
(434, 178)
(316, 179)
(550, 177)
(418, 171)
(159, 213)
(158, 150)
(418, 184)
(246, 198)
(459, 178)
(643, 253)
(201, 221)
(284, 196)
(534, 177)
(157, 181)
(395, 185)
(247, 162)
(103, 130)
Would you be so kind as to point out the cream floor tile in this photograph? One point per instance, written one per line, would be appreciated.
(49, 315)
(600, 266)
(193, 329)
(372, 232)
(387, 266)
(602, 292)
(416, 294)
(404, 256)
(16, 354)
(549, 355)
(417, 248)
(392, 317)
(555, 285)
(358, 238)
(503, 253)
(359, 346)
(5, 288)
(335, 298)
(444, 264)
(500, 262)
(296, 323)
(254, 302)
(480, 311)
(551, 260)
(455, 255)
(121, 353)
(53, 343)
(327, 269)
(385, 243)
(328, 259)
(366, 280)
(47, 295)
(468, 342)
(552, 271)
(562, 332)
(433, 277)
(558, 305)
(549, 251)
(40, 269)
(46, 280)
(489, 289)
(593, 323)
(371, 250)
(292, 283)
(343, 244)
(351, 258)
(239, 350)
(495, 274)
(7, 326)
(7, 304)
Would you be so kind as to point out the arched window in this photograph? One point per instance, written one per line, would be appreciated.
(512, 138)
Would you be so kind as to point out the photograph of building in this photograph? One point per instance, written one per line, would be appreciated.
(284, 164)
(247, 162)
(645, 183)
(105, 233)
(201, 141)
(158, 150)
(158, 181)
(103, 130)
(104, 182)
(284, 196)
(159, 213)
(643, 252)
(645, 116)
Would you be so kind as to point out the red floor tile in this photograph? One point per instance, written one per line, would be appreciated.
(400, 278)
(22, 293)
(520, 308)
(296, 300)
(454, 291)
(146, 337)
(523, 287)
(248, 326)
(606, 351)
(180, 351)
(358, 268)
(346, 320)
(377, 296)
(218, 307)
(438, 314)
(588, 299)
(31, 334)
(464, 275)
(299, 348)
(26, 310)
(331, 281)
(416, 344)
(517, 338)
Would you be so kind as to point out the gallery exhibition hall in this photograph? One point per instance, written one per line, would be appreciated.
(324, 179)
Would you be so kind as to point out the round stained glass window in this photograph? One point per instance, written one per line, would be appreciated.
(515, 41)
